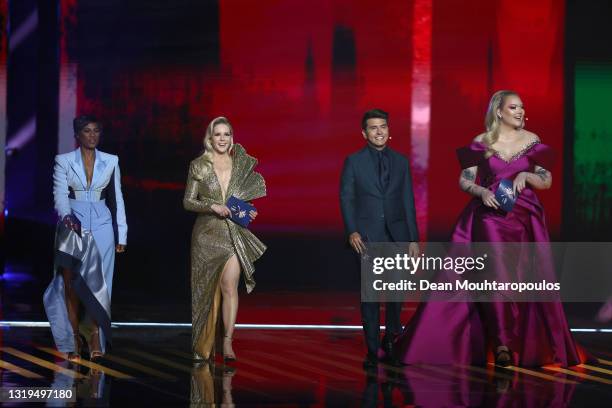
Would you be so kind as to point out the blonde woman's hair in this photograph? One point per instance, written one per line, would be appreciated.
(208, 149)
(492, 121)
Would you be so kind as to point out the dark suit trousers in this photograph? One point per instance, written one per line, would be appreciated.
(370, 317)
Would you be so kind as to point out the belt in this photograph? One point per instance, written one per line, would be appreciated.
(77, 195)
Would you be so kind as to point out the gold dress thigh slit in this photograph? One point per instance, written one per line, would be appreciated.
(215, 240)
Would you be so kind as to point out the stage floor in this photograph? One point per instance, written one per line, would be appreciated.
(152, 367)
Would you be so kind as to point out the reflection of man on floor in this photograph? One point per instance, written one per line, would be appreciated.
(378, 206)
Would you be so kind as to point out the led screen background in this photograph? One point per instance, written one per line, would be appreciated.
(294, 77)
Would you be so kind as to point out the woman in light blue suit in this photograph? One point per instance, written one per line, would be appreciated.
(89, 202)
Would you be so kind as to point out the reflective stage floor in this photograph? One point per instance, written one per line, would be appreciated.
(151, 366)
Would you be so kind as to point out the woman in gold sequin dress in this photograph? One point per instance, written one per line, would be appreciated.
(220, 248)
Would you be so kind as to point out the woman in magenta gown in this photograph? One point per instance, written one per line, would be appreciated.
(526, 334)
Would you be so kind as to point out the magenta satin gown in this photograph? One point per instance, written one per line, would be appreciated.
(462, 332)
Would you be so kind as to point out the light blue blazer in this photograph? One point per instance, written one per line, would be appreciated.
(70, 188)
(101, 211)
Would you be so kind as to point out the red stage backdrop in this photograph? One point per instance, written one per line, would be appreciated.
(294, 77)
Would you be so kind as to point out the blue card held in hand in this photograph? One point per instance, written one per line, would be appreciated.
(240, 211)
(505, 195)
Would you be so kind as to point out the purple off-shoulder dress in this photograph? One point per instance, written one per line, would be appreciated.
(462, 332)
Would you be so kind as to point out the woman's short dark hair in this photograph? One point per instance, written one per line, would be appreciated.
(81, 121)
(373, 114)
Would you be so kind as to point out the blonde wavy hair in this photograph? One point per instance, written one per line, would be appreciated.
(208, 149)
(492, 121)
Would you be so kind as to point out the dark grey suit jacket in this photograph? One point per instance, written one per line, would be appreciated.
(369, 210)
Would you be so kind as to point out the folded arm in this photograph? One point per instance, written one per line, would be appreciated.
(202, 205)
(191, 202)
(540, 178)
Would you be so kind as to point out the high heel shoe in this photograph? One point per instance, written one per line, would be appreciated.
(95, 354)
(228, 358)
(503, 358)
(78, 344)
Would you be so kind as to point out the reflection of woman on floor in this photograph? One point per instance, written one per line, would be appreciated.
(88, 199)
(220, 249)
(210, 385)
(92, 384)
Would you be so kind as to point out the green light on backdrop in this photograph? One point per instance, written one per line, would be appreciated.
(593, 147)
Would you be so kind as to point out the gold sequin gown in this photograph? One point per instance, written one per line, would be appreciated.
(215, 240)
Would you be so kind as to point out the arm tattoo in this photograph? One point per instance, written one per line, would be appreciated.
(467, 181)
(468, 175)
(543, 174)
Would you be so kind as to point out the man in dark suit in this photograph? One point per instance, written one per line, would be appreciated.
(377, 205)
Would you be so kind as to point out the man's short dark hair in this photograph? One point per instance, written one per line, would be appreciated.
(373, 114)
(81, 121)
